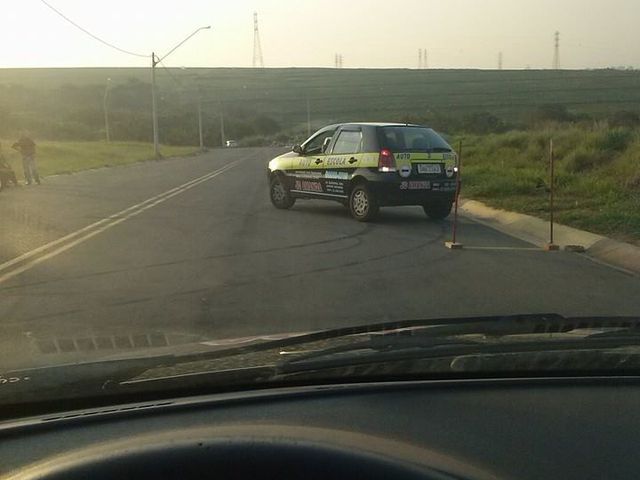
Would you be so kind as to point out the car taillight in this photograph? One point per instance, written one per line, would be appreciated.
(386, 161)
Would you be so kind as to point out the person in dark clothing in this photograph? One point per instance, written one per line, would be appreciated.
(27, 148)
(7, 175)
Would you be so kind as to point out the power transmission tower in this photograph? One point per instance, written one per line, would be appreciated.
(556, 54)
(425, 59)
(258, 60)
(500, 61)
(420, 59)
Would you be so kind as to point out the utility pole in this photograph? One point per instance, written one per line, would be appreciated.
(200, 126)
(500, 61)
(155, 60)
(425, 61)
(308, 119)
(222, 134)
(258, 60)
(556, 53)
(154, 107)
(106, 110)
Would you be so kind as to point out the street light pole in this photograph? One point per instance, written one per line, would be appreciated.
(222, 134)
(154, 106)
(200, 126)
(106, 110)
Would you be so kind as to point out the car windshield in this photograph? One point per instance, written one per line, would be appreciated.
(274, 192)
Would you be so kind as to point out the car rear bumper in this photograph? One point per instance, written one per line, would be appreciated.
(394, 190)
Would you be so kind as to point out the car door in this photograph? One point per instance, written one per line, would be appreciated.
(344, 159)
(309, 166)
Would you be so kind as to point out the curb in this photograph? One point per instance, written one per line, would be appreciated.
(536, 231)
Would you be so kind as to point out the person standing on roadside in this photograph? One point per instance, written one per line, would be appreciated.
(7, 175)
(27, 148)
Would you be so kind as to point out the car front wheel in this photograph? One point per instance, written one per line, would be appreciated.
(362, 203)
(279, 193)
(438, 210)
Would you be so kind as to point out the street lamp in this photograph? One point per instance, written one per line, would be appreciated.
(155, 60)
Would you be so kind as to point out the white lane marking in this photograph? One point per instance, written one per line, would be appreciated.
(49, 245)
(509, 249)
(104, 224)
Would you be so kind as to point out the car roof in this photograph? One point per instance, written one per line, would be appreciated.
(378, 124)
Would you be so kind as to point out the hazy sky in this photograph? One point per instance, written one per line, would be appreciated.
(368, 33)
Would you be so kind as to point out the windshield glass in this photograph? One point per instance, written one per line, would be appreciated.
(179, 181)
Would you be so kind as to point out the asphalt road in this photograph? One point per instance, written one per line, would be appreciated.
(214, 260)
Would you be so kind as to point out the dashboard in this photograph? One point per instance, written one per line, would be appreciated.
(476, 429)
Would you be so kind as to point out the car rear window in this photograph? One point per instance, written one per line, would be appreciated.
(412, 139)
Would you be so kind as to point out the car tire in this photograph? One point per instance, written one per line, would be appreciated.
(279, 193)
(438, 210)
(363, 204)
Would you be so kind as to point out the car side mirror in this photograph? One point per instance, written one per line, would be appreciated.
(297, 149)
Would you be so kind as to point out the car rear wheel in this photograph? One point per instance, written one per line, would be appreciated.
(279, 193)
(438, 210)
(363, 204)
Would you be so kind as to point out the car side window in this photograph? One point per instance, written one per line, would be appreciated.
(348, 142)
(314, 146)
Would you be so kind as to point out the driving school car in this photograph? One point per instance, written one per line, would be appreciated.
(366, 166)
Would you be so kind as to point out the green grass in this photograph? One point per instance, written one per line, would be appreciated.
(73, 97)
(597, 176)
(68, 157)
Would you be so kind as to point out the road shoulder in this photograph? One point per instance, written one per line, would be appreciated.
(536, 231)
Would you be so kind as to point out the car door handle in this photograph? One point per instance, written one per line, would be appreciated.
(353, 160)
(318, 162)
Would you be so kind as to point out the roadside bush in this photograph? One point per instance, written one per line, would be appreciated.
(256, 141)
(517, 140)
(584, 159)
(501, 183)
(624, 118)
(266, 125)
(482, 123)
(550, 113)
(614, 140)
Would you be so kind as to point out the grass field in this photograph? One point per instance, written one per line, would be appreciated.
(68, 157)
(597, 177)
(334, 95)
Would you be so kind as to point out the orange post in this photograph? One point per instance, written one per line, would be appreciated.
(551, 246)
(453, 244)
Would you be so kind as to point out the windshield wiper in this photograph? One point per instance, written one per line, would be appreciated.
(364, 344)
(450, 341)
(493, 326)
